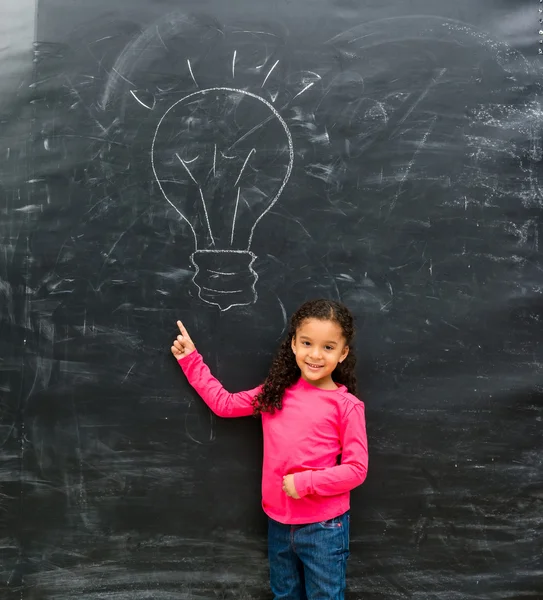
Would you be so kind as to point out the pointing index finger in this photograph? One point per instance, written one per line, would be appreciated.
(182, 329)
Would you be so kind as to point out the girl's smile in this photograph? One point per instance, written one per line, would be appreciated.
(314, 367)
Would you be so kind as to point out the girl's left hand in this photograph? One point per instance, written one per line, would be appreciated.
(289, 488)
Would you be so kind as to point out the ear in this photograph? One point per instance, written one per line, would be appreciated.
(344, 354)
(293, 344)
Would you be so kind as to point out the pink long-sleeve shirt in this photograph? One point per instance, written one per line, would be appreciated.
(319, 435)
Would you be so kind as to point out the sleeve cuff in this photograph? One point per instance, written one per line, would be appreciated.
(184, 361)
(303, 482)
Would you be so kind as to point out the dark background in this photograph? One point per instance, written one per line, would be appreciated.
(415, 198)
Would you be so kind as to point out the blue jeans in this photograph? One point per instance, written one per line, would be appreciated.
(308, 562)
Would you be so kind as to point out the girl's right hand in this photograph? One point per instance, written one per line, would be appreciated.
(183, 345)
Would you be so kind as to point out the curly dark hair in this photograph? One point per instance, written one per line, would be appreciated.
(284, 371)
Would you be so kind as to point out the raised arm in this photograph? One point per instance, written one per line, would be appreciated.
(219, 400)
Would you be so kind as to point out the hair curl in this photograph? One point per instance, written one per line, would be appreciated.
(284, 372)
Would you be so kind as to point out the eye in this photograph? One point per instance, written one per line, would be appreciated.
(305, 343)
(329, 347)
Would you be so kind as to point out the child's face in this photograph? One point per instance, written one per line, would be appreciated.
(318, 347)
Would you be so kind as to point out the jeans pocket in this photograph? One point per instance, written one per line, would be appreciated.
(334, 523)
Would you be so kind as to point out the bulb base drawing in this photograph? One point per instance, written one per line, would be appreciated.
(225, 278)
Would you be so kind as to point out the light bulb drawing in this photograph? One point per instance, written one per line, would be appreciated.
(222, 157)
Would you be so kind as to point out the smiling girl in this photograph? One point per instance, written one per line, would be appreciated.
(315, 446)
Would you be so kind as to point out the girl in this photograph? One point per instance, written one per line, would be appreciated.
(315, 447)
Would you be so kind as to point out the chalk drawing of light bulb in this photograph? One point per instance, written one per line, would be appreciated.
(222, 158)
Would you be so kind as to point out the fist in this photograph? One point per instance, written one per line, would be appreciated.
(289, 488)
(182, 345)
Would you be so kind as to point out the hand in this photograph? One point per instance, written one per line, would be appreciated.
(289, 488)
(183, 345)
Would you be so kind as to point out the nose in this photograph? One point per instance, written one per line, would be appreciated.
(315, 353)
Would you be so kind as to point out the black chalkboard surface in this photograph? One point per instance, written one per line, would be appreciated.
(387, 154)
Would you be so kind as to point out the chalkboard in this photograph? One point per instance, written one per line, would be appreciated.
(387, 154)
